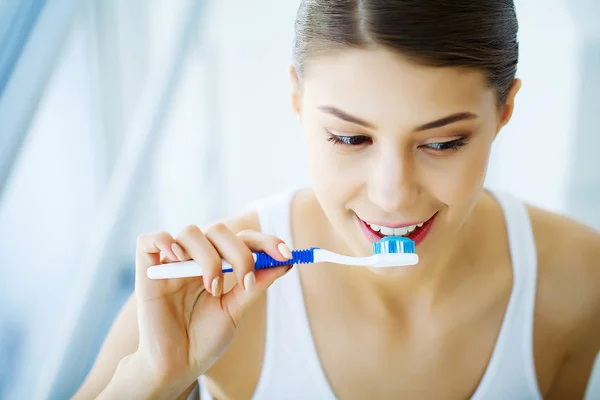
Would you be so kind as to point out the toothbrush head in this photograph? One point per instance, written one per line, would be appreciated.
(394, 245)
(393, 251)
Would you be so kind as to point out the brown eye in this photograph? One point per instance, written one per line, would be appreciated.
(355, 140)
(444, 146)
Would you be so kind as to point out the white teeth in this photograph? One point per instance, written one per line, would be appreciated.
(384, 230)
(387, 231)
(400, 231)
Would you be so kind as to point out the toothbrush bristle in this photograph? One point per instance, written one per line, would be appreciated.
(394, 245)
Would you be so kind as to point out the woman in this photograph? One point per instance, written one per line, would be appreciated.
(400, 102)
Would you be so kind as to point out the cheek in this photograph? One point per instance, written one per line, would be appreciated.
(318, 162)
(328, 166)
(335, 176)
(461, 180)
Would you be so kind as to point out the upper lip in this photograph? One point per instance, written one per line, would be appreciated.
(393, 224)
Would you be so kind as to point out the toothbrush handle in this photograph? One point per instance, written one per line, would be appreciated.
(185, 269)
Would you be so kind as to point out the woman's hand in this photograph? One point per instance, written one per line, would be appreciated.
(186, 324)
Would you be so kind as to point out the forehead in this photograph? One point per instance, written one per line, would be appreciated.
(381, 85)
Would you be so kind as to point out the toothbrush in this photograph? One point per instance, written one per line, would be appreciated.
(391, 251)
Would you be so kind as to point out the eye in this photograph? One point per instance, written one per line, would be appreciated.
(355, 140)
(446, 146)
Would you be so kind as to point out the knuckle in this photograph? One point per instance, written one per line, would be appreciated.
(190, 230)
(217, 228)
(151, 237)
(142, 238)
(164, 237)
(245, 232)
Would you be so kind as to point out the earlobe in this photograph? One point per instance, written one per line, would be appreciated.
(294, 89)
(509, 105)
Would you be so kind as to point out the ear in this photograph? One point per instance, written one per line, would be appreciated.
(509, 105)
(294, 89)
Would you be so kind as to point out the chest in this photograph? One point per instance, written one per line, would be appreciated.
(360, 353)
(365, 356)
(362, 356)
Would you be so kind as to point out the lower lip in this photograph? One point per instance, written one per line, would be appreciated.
(417, 236)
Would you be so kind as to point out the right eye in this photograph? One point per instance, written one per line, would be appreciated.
(355, 140)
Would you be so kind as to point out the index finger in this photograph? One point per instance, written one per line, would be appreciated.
(148, 249)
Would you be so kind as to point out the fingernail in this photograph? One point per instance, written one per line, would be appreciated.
(178, 251)
(216, 287)
(284, 250)
(249, 281)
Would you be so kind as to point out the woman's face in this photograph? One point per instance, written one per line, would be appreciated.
(393, 145)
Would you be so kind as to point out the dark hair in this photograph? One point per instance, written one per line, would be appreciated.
(479, 34)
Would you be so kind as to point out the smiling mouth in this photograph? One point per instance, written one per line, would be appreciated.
(416, 232)
(387, 231)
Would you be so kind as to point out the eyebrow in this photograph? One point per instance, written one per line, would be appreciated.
(450, 119)
(336, 112)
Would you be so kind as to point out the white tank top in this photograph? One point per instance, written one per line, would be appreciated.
(291, 367)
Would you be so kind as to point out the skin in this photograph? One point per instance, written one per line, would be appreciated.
(407, 327)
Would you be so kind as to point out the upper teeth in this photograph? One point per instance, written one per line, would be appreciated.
(394, 231)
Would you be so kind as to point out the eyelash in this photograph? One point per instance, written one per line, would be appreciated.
(360, 139)
(347, 140)
(451, 145)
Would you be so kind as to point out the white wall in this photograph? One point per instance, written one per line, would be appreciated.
(232, 127)
(262, 146)
(532, 155)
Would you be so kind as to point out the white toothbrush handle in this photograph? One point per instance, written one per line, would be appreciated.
(183, 269)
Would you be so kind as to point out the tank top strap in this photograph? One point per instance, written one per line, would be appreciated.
(511, 370)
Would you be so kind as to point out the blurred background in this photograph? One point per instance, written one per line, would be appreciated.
(119, 117)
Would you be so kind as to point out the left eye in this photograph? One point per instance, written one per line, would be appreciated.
(451, 145)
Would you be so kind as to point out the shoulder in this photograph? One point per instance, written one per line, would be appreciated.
(568, 294)
(569, 262)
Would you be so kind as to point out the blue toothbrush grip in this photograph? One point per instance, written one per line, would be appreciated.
(263, 260)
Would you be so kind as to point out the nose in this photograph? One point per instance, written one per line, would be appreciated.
(393, 185)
